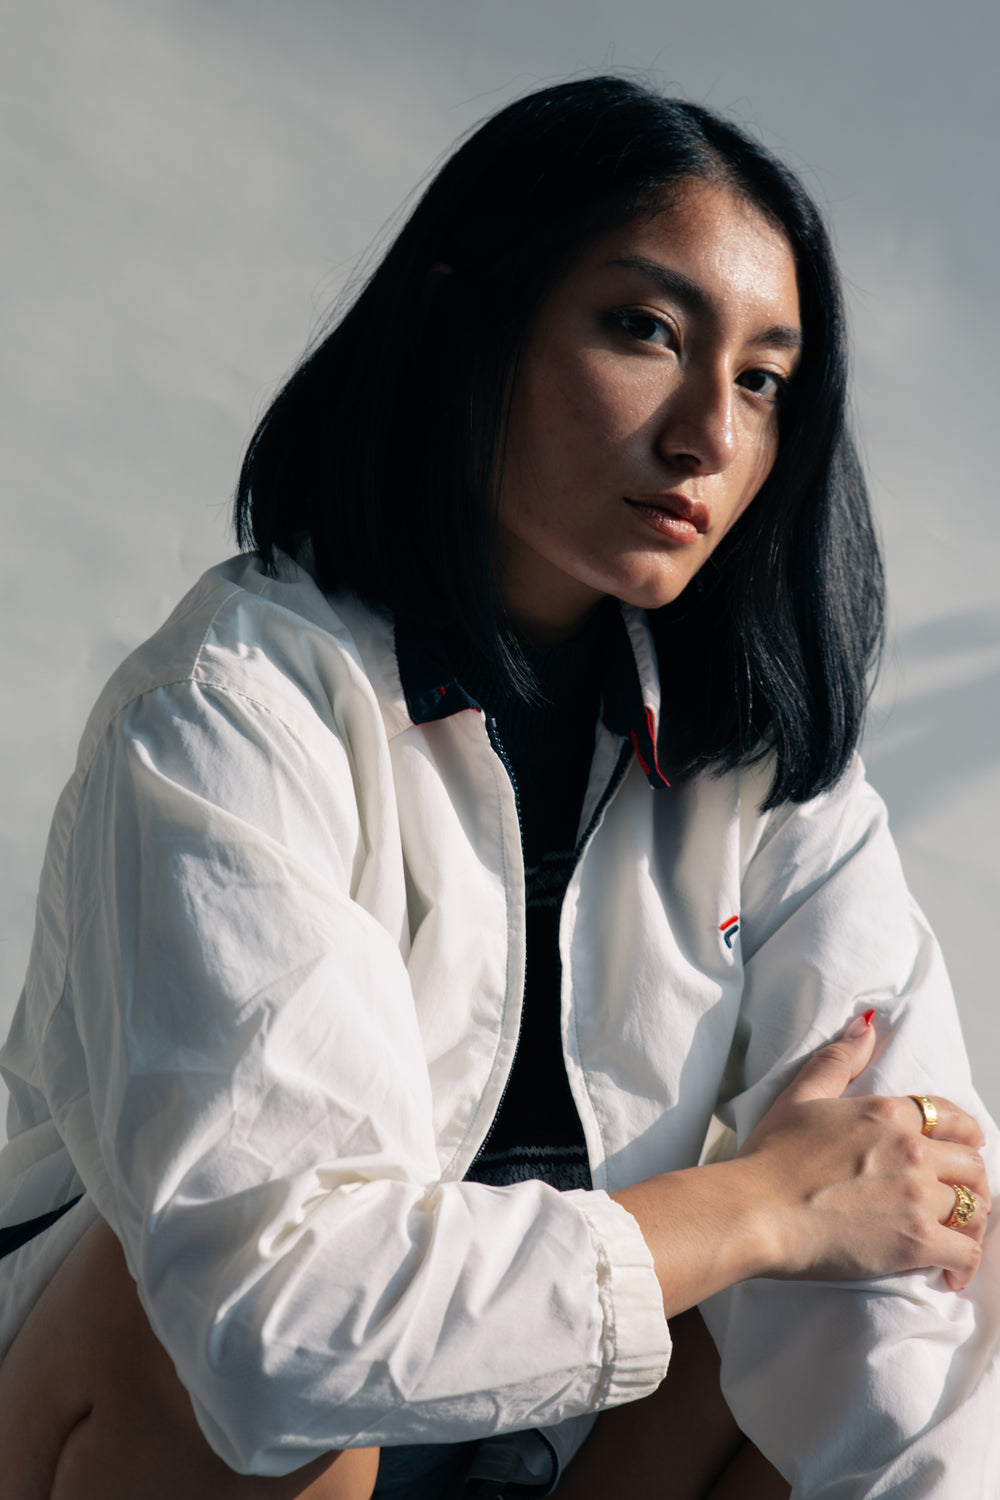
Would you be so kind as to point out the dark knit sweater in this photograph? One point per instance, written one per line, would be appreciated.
(548, 746)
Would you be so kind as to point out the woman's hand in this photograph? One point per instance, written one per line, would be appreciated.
(824, 1188)
(858, 1190)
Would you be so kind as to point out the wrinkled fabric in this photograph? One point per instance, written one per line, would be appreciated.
(273, 999)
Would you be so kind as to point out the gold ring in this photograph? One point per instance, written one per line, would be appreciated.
(929, 1111)
(965, 1207)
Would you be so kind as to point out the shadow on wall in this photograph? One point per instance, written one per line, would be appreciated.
(940, 730)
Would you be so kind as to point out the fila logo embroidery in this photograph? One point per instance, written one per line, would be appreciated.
(729, 928)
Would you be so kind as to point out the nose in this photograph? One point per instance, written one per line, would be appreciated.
(698, 423)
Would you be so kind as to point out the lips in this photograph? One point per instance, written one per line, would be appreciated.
(661, 511)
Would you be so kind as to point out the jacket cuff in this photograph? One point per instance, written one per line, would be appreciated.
(636, 1337)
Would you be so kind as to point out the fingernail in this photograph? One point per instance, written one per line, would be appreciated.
(858, 1026)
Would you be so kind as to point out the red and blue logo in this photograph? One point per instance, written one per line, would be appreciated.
(729, 928)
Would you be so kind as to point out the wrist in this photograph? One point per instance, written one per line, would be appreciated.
(707, 1228)
(751, 1242)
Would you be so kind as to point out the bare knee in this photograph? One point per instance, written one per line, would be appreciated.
(42, 1397)
(91, 1407)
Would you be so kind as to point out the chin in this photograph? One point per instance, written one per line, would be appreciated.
(653, 596)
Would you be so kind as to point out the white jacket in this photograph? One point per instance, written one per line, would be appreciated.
(274, 996)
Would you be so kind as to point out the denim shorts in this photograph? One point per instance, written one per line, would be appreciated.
(424, 1471)
(518, 1464)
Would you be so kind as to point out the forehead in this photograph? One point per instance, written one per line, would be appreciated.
(733, 258)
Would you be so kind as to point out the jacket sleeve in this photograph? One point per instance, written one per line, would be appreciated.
(889, 1387)
(241, 1081)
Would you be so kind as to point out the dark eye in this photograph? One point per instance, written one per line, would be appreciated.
(644, 327)
(764, 383)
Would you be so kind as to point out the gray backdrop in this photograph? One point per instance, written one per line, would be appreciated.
(186, 185)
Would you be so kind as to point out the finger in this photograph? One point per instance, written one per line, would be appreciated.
(973, 1178)
(960, 1260)
(954, 1212)
(956, 1250)
(828, 1072)
(953, 1163)
(953, 1124)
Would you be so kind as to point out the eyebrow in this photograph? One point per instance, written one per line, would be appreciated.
(695, 299)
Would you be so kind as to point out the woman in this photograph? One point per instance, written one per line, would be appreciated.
(436, 870)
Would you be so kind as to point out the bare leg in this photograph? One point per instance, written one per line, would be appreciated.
(750, 1477)
(681, 1443)
(91, 1408)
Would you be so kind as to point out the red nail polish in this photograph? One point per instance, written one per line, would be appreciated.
(868, 1016)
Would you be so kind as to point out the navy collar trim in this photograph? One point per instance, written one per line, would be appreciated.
(430, 687)
(432, 691)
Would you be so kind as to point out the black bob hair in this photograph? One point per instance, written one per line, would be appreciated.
(385, 446)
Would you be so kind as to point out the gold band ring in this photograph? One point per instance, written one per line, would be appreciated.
(929, 1111)
(965, 1207)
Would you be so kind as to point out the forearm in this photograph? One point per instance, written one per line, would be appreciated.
(705, 1228)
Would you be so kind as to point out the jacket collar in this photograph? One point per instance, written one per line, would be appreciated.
(630, 686)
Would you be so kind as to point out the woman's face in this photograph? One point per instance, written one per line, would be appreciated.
(644, 417)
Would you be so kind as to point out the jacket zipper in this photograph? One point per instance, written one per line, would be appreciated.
(614, 781)
(497, 743)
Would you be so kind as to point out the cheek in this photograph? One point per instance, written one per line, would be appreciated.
(616, 403)
(587, 403)
(760, 462)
